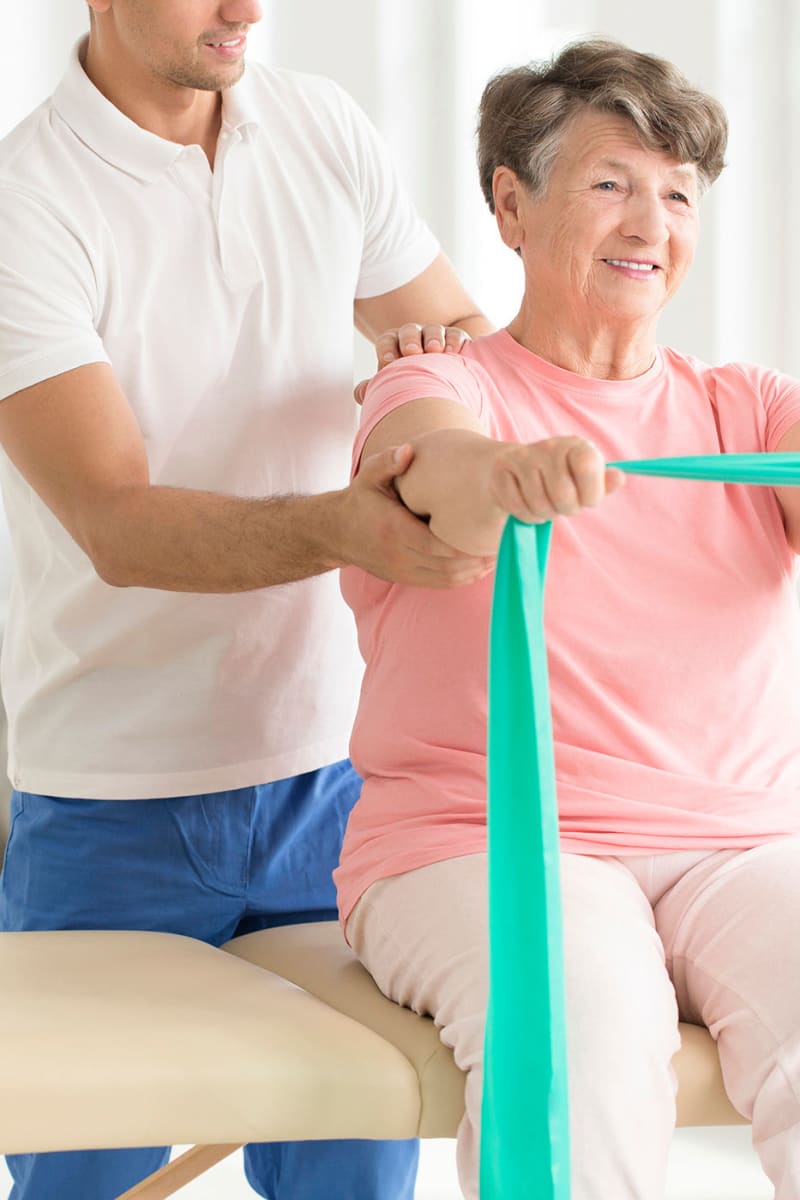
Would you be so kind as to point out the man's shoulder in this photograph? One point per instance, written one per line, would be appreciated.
(24, 151)
(282, 83)
(38, 177)
(315, 101)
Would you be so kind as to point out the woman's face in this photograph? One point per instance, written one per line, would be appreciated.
(616, 230)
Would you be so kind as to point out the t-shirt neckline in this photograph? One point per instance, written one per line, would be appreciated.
(584, 384)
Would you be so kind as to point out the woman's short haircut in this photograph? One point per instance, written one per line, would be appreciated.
(525, 111)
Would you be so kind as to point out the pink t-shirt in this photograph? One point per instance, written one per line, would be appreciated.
(671, 622)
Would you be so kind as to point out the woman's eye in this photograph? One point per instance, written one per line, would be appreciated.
(607, 185)
(679, 196)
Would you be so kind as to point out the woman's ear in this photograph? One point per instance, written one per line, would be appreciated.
(507, 190)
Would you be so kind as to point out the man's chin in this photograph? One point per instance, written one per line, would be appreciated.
(211, 81)
(234, 77)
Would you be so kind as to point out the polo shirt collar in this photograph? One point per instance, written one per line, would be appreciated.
(240, 108)
(120, 141)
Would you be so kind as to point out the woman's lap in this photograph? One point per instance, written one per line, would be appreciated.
(726, 920)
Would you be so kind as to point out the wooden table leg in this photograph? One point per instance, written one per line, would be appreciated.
(179, 1172)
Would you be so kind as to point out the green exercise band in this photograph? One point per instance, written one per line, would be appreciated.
(525, 1119)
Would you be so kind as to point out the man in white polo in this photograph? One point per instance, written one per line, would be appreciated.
(182, 245)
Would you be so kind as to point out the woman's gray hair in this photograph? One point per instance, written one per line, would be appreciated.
(525, 111)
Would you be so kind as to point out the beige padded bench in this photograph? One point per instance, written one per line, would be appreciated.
(117, 1039)
(317, 958)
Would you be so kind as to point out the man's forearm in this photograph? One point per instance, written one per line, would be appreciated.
(192, 541)
(475, 324)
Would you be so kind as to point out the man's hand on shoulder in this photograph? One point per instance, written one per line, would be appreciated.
(419, 339)
(411, 339)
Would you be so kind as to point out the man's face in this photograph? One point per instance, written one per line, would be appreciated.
(616, 230)
(190, 43)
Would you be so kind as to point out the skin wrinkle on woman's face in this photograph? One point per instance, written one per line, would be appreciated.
(609, 197)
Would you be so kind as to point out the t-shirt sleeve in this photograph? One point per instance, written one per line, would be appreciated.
(448, 376)
(398, 245)
(48, 296)
(781, 398)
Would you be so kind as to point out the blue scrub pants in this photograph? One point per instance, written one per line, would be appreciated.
(210, 867)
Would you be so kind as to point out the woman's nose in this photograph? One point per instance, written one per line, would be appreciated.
(644, 218)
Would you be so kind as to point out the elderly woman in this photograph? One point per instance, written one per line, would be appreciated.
(672, 635)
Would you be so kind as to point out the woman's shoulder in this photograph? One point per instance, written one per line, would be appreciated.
(736, 375)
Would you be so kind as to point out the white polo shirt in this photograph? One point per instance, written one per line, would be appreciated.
(224, 303)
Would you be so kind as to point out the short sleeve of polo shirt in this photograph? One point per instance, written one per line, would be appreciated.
(449, 376)
(398, 245)
(47, 295)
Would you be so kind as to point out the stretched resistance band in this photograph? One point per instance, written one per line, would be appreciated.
(525, 1127)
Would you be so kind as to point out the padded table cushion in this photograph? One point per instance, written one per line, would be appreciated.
(137, 1039)
(318, 959)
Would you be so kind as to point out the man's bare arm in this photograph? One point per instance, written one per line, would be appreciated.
(75, 440)
(436, 298)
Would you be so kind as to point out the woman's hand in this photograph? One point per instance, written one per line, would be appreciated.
(468, 484)
(556, 477)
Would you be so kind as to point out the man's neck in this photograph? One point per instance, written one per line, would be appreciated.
(188, 116)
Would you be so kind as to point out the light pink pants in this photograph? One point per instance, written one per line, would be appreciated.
(714, 937)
